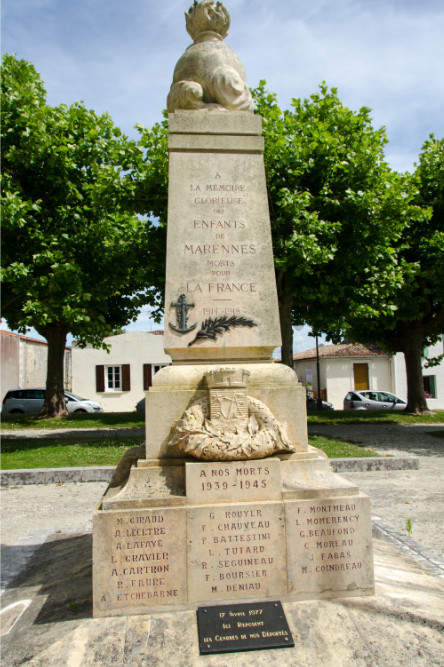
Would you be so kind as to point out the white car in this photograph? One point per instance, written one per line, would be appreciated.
(373, 400)
(29, 401)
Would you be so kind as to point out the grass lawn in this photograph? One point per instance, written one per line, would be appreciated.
(81, 452)
(64, 452)
(338, 449)
(81, 420)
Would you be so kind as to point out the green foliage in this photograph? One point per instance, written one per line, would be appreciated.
(151, 198)
(409, 527)
(417, 302)
(77, 255)
(359, 249)
(415, 316)
(332, 203)
(74, 254)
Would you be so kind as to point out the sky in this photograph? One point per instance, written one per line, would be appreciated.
(119, 57)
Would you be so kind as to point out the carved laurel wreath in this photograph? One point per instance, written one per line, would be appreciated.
(211, 328)
(196, 435)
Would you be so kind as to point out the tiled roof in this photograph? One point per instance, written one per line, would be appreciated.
(342, 350)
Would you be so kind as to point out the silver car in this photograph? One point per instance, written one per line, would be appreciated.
(373, 400)
(30, 401)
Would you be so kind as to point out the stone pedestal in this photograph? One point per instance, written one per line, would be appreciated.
(182, 533)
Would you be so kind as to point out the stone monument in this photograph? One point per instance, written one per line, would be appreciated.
(227, 502)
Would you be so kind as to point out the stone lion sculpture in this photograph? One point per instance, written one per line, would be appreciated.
(209, 75)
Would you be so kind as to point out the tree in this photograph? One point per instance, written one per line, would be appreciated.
(358, 248)
(333, 204)
(416, 319)
(76, 257)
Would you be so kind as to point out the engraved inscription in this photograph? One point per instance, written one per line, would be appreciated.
(223, 286)
(144, 562)
(327, 539)
(328, 534)
(236, 551)
(220, 482)
(218, 227)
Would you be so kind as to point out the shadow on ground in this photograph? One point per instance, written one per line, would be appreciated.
(61, 570)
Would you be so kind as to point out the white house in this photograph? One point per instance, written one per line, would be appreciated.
(354, 366)
(433, 377)
(118, 379)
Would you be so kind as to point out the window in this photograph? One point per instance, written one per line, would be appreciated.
(113, 378)
(384, 397)
(351, 396)
(38, 394)
(429, 386)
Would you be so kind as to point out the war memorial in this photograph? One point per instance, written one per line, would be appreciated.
(228, 503)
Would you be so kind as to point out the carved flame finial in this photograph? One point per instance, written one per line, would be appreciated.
(209, 75)
(207, 16)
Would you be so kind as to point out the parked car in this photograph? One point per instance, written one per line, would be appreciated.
(373, 400)
(312, 404)
(31, 401)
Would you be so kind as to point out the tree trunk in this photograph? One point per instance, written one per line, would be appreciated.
(285, 309)
(416, 401)
(54, 405)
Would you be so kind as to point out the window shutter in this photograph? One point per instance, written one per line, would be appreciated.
(100, 378)
(147, 376)
(126, 377)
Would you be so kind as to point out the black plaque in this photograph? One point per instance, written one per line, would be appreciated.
(243, 627)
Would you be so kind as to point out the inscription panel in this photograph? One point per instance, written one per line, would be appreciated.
(329, 545)
(236, 551)
(219, 482)
(139, 558)
(243, 627)
(219, 250)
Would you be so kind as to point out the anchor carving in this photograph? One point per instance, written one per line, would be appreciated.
(182, 307)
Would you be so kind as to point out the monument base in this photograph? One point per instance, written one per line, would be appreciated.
(182, 532)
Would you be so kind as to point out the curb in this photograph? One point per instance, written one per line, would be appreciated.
(104, 473)
(422, 555)
(375, 463)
